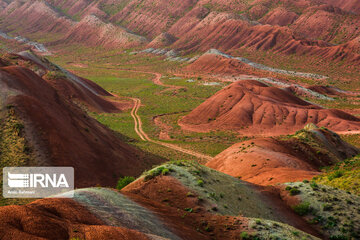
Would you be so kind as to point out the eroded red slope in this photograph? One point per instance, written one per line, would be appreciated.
(251, 107)
(58, 219)
(268, 161)
(61, 134)
(347, 5)
(94, 32)
(70, 86)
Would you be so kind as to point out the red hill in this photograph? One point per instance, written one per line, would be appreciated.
(61, 134)
(269, 161)
(251, 107)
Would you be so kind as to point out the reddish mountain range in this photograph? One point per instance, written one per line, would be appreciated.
(324, 28)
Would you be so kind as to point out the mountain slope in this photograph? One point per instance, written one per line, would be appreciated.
(59, 133)
(197, 25)
(294, 158)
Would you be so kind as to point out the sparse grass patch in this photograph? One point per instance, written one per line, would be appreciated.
(156, 172)
(14, 149)
(344, 175)
(55, 75)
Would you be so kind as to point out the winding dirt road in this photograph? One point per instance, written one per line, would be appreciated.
(137, 104)
(138, 124)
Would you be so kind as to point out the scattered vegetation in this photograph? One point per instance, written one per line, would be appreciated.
(55, 75)
(334, 210)
(156, 172)
(302, 209)
(14, 149)
(344, 175)
(293, 190)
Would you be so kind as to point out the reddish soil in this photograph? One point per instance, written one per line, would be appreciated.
(91, 30)
(95, 102)
(251, 107)
(211, 63)
(79, 90)
(279, 16)
(37, 15)
(57, 219)
(189, 21)
(155, 191)
(228, 32)
(153, 17)
(347, 5)
(258, 11)
(170, 206)
(94, 32)
(61, 134)
(218, 67)
(74, 88)
(268, 161)
(290, 26)
(163, 40)
(322, 20)
(330, 91)
(165, 196)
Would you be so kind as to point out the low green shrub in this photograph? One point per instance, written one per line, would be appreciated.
(294, 191)
(55, 75)
(123, 182)
(335, 175)
(200, 183)
(302, 209)
(156, 172)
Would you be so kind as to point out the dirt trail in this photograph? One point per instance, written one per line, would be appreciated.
(137, 103)
(156, 80)
(138, 123)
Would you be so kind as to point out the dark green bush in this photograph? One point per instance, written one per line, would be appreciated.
(294, 191)
(123, 182)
